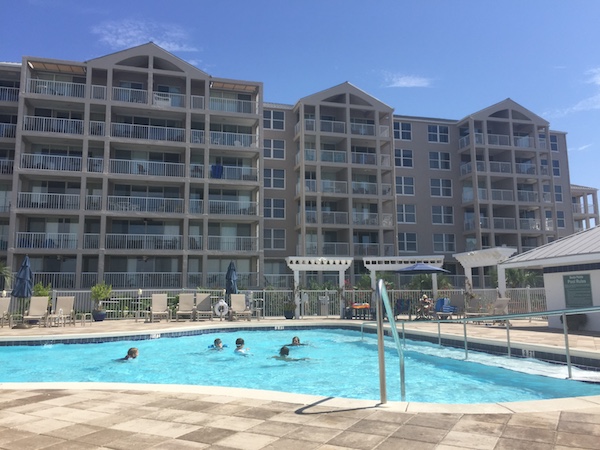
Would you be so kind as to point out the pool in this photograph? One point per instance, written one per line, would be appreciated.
(339, 364)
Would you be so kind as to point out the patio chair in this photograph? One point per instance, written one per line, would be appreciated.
(239, 307)
(186, 306)
(204, 308)
(38, 310)
(500, 308)
(63, 311)
(444, 310)
(158, 308)
(5, 315)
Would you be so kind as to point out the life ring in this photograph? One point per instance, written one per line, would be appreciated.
(221, 308)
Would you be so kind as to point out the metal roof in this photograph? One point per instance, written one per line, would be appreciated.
(578, 248)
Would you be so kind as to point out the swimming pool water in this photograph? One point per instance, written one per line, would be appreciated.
(339, 364)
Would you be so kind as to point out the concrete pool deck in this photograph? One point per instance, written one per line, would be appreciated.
(129, 416)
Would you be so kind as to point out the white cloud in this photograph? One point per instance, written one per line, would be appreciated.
(121, 34)
(404, 81)
(587, 104)
(582, 148)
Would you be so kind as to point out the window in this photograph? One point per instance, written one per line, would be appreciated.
(553, 142)
(558, 195)
(273, 120)
(274, 208)
(560, 219)
(403, 131)
(441, 187)
(442, 215)
(274, 239)
(403, 158)
(407, 242)
(274, 148)
(443, 243)
(556, 168)
(274, 178)
(405, 186)
(437, 133)
(407, 214)
(439, 160)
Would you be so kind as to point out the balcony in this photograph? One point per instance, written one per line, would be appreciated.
(153, 133)
(467, 168)
(9, 94)
(56, 88)
(197, 170)
(334, 218)
(93, 202)
(329, 249)
(195, 242)
(168, 100)
(498, 139)
(197, 102)
(525, 168)
(236, 173)
(46, 240)
(364, 158)
(366, 188)
(52, 125)
(196, 206)
(58, 280)
(8, 130)
(232, 139)
(362, 129)
(197, 137)
(527, 196)
(95, 165)
(146, 168)
(466, 140)
(91, 240)
(233, 105)
(97, 128)
(365, 219)
(230, 207)
(504, 223)
(44, 200)
(366, 249)
(51, 162)
(129, 95)
(332, 156)
(116, 241)
(502, 195)
(334, 187)
(144, 280)
(145, 204)
(500, 167)
(232, 243)
(529, 224)
(98, 92)
(332, 126)
(523, 141)
(6, 166)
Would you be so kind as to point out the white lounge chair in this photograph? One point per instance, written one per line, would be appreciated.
(204, 307)
(159, 308)
(186, 306)
(5, 315)
(239, 307)
(63, 311)
(38, 310)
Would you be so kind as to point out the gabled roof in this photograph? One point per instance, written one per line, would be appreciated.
(345, 88)
(507, 104)
(578, 248)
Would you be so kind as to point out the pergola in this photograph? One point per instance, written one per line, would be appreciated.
(484, 258)
(395, 263)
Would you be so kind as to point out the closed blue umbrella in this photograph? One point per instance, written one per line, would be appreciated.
(231, 279)
(24, 280)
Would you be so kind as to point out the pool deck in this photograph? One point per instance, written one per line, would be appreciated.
(132, 416)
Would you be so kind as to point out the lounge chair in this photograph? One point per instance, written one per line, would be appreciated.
(204, 308)
(444, 310)
(38, 310)
(63, 311)
(500, 308)
(186, 306)
(158, 308)
(5, 315)
(239, 307)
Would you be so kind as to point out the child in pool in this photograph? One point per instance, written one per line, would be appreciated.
(217, 345)
(239, 346)
(132, 353)
(284, 353)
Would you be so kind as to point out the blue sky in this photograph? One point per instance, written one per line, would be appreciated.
(432, 58)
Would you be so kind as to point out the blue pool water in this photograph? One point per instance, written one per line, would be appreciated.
(339, 364)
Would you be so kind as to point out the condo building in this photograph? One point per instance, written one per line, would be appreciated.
(139, 169)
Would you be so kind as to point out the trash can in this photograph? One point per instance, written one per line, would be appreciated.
(324, 305)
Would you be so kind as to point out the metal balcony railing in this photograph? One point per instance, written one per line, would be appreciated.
(167, 99)
(365, 219)
(334, 187)
(46, 240)
(233, 105)
(232, 139)
(120, 241)
(197, 102)
(332, 126)
(498, 139)
(129, 95)
(9, 94)
(44, 200)
(8, 130)
(502, 195)
(334, 217)
(145, 204)
(6, 166)
(362, 129)
(500, 167)
(197, 136)
(364, 158)
(237, 173)
(333, 156)
(58, 88)
(195, 242)
(153, 133)
(232, 243)
(232, 207)
(196, 206)
(51, 162)
(147, 168)
(52, 125)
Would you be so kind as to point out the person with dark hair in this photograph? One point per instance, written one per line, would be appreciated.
(284, 353)
(132, 353)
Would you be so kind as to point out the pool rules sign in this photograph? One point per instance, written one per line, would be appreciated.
(578, 291)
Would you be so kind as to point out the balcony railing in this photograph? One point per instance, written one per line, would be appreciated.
(367, 250)
(126, 130)
(143, 241)
(93, 202)
(98, 92)
(144, 280)
(46, 240)
(500, 167)
(139, 167)
(233, 105)
(334, 217)
(45, 200)
(9, 94)
(527, 196)
(145, 204)
(8, 130)
(364, 188)
(504, 223)
(232, 139)
(196, 206)
(196, 170)
(529, 224)
(328, 248)
(365, 219)
(129, 95)
(58, 280)
(52, 125)
(364, 158)
(333, 156)
(6, 166)
(51, 162)
(197, 136)
(59, 88)
(232, 243)
(502, 195)
(195, 242)
(523, 141)
(525, 168)
(97, 128)
(466, 140)
(467, 168)
(310, 154)
(91, 240)
(334, 187)
(218, 171)
(363, 129)
(167, 99)
(197, 102)
(333, 126)
(498, 139)
(231, 207)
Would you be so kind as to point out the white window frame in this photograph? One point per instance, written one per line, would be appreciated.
(407, 213)
(270, 208)
(269, 120)
(403, 156)
(438, 133)
(440, 187)
(272, 237)
(442, 215)
(444, 242)
(403, 131)
(404, 186)
(272, 152)
(271, 181)
(439, 160)
(405, 244)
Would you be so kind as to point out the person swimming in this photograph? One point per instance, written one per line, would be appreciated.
(239, 346)
(284, 355)
(295, 342)
(217, 345)
(132, 353)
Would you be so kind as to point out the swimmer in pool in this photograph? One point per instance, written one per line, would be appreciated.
(284, 353)
(239, 346)
(132, 353)
(295, 342)
(217, 345)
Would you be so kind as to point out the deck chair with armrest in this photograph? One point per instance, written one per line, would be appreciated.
(186, 306)
(159, 308)
(5, 315)
(38, 310)
(444, 310)
(204, 308)
(500, 308)
(239, 307)
(63, 311)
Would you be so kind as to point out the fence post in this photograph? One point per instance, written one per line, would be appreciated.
(528, 290)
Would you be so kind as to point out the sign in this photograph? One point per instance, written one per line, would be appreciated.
(578, 291)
